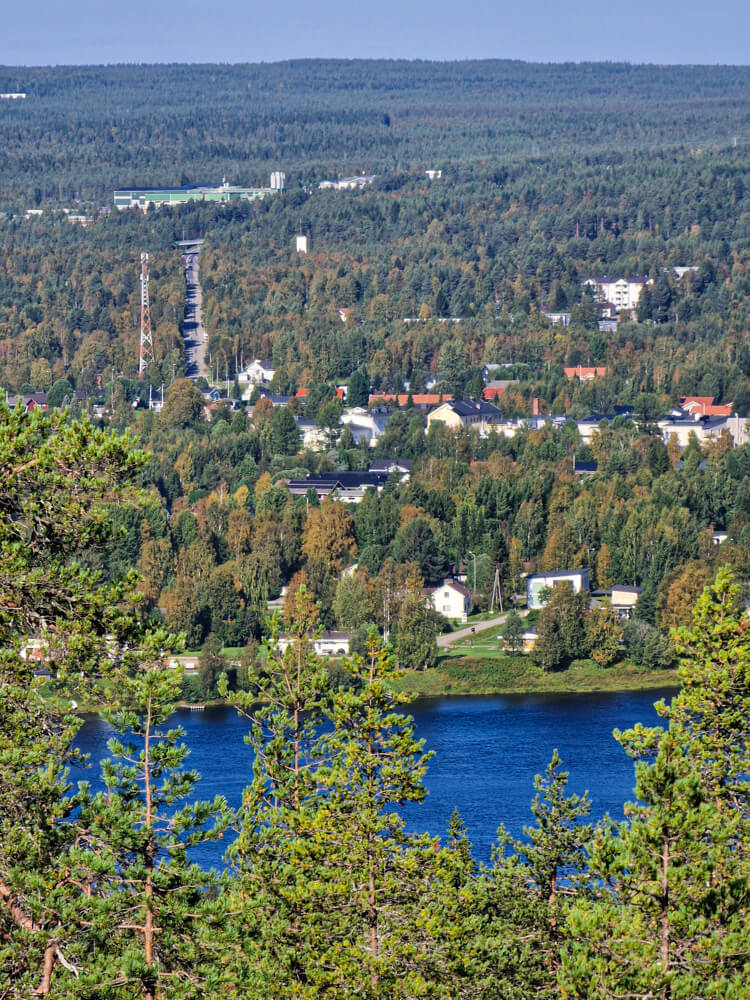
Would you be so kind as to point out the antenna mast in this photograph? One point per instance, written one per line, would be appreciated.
(146, 355)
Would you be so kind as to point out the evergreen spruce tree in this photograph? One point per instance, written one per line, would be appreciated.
(374, 871)
(96, 898)
(329, 881)
(275, 857)
(714, 700)
(554, 852)
(475, 926)
(517, 903)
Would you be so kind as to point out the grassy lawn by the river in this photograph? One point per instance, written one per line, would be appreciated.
(491, 672)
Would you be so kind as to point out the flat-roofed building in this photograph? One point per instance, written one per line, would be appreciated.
(143, 197)
(536, 585)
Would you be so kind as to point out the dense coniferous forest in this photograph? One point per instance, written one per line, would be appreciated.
(115, 556)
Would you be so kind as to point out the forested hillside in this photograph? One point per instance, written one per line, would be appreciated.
(550, 174)
(86, 130)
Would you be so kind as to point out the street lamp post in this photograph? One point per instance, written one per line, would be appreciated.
(475, 571)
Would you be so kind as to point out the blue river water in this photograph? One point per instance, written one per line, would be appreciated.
(486, 753)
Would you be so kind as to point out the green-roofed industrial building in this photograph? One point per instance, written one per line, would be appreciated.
(143, 197)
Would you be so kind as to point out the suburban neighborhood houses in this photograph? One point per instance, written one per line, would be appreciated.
(697, 416)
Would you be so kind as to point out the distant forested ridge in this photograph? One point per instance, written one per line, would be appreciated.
(86, 130)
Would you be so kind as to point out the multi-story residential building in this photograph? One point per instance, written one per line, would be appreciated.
(622, 293)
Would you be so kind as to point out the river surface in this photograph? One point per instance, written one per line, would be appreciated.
(487, 750)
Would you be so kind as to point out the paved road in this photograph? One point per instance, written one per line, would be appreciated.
(466, 633)
(192, 328)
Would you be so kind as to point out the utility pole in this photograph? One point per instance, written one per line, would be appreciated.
(497, 593)
(146, 353)
(475, 570)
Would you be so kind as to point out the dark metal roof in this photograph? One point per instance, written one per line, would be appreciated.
(472, 407)
(386, 464)
(344, 480)
(352, 478)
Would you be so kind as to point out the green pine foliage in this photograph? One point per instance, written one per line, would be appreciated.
(154, 915)
(668, 916)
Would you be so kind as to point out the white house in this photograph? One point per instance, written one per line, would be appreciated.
(452, 600)
(577, 578)
(190, 663)
(367, 424)
(256, 373)
(326, 644)
(705, 428)
(313, 437)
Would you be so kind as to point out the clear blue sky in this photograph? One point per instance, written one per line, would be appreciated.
(45, 32)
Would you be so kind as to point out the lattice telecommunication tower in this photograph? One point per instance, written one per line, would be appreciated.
(146, 355)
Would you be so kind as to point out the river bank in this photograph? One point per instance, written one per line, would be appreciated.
(467, 675)
(464, 675)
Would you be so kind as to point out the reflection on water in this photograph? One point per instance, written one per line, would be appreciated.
(486, 753)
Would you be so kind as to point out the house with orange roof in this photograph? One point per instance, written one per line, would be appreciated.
(418, 398)
(304, 392)
(495, 388)
(585, 374)
(704, 406)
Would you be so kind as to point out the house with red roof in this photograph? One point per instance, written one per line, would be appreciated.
(495, 388)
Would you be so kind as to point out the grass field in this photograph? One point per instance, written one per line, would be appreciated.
(491, 672)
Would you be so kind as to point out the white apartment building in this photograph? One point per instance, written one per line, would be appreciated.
(622, 293)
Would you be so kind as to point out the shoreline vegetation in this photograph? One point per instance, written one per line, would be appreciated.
(467, 675)
(463, 676)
